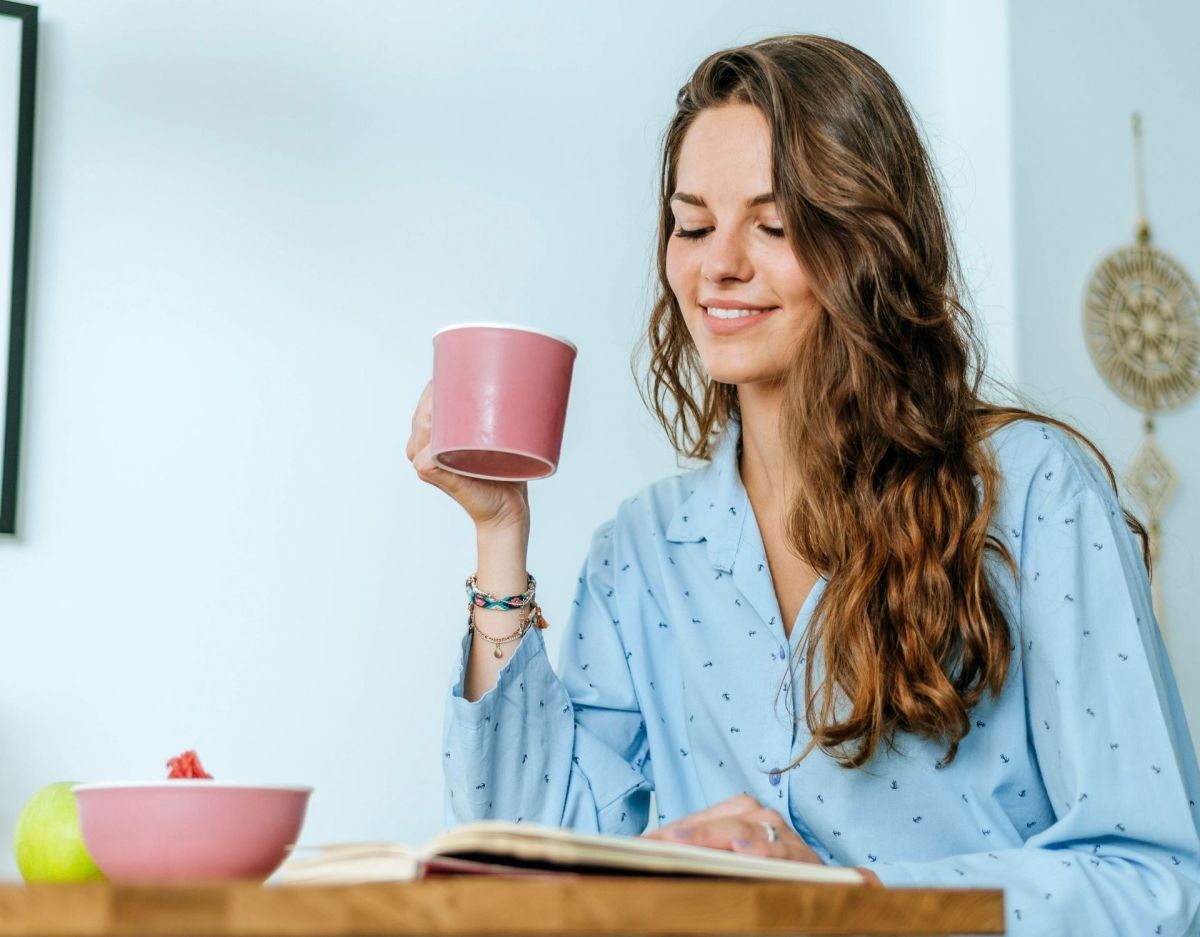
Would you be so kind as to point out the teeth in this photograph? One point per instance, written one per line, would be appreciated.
(733, 313)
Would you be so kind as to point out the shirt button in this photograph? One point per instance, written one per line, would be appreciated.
(774, 777)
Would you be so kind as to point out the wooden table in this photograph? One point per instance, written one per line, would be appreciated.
(490, 906)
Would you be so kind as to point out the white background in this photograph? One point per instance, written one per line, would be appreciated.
(249, 219)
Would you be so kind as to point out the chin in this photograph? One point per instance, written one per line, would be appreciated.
(741, 369)
(729, 377)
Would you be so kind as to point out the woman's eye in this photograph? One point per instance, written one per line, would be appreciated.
(774, 232)
(691, 233)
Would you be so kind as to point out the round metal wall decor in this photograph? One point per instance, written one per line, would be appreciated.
(1142, 325)
(1141, 322)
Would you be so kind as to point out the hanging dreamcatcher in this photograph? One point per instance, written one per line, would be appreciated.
(1141, 315)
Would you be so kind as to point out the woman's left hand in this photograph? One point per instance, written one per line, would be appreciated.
(739, 824)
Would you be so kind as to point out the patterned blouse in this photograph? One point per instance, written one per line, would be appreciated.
(1075, 790)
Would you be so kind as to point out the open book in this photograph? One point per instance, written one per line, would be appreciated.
(495, 847)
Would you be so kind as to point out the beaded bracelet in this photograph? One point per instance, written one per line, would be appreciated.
(534, 618)
(509, 603)
(497, 642)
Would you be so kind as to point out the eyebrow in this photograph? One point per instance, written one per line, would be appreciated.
(765, 199)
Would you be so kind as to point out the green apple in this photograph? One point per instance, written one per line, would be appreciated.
(48, 841)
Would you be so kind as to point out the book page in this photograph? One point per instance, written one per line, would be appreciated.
(539, 845)
(350, 863)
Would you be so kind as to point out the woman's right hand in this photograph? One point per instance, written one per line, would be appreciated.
(491, 505)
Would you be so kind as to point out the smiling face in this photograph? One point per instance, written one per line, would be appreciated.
(744, 297)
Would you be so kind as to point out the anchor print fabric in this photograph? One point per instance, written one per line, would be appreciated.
(1075, 790)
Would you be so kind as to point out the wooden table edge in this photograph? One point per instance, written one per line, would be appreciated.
(459, 906)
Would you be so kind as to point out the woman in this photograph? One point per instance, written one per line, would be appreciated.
(888, 625)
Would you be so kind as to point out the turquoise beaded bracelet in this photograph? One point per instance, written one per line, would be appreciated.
(509, 603)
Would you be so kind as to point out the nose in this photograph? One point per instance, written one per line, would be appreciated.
(726, 257)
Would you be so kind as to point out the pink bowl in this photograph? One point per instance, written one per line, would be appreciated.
(189, 830)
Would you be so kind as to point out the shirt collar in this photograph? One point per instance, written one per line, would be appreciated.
(716, 507)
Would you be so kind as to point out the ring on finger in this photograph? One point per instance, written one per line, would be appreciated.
(772, 833)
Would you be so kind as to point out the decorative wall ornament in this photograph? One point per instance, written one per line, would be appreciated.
(1141, 320)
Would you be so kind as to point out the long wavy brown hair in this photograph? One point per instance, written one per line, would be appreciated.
(883, 411)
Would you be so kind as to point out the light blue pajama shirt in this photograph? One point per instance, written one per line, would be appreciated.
(1075, 790)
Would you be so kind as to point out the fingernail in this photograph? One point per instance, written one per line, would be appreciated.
(742, 843)
(681, 833)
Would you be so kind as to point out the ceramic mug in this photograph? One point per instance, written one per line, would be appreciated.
(499, 400)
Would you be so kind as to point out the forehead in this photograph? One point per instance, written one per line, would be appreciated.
(727, 148)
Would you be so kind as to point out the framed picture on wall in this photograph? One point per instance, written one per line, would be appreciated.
(18, 70)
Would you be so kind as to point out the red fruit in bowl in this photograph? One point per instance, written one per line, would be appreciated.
(186, 765)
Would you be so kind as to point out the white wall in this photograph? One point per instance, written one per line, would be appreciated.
(1075, 81)
(249, 220)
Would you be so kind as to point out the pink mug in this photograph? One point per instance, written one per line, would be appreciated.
(499, 400)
